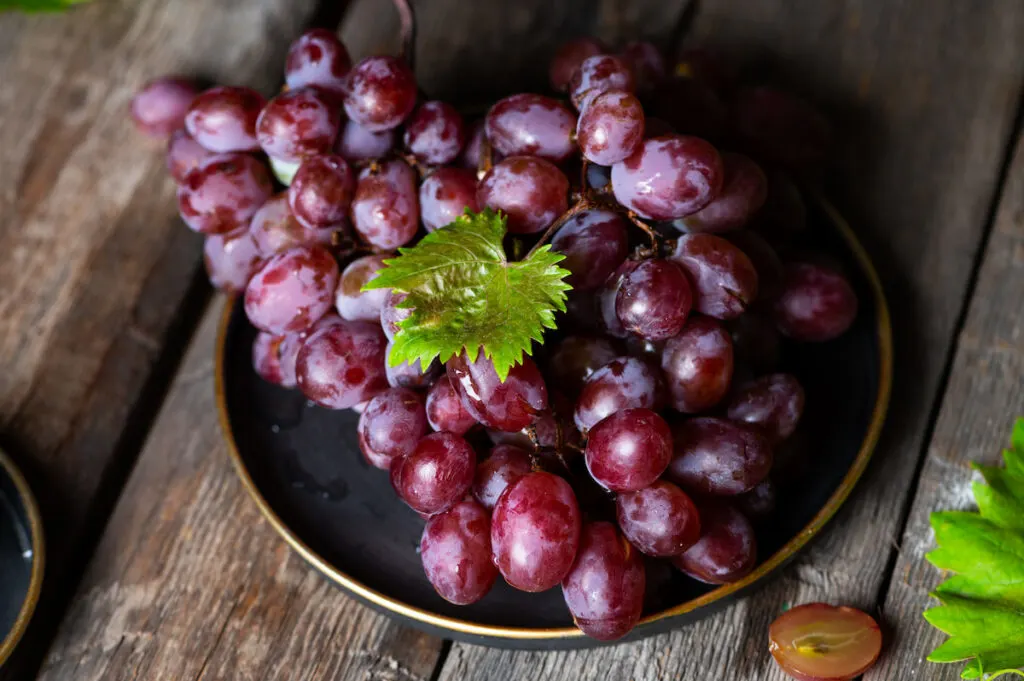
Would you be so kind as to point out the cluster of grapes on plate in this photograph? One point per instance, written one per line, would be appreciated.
(647, 423)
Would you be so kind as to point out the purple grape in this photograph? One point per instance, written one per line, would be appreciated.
(446, 194)
(531, 125)
(351, 301)
(647, 64)
(407, 375)
(607, 296)
(604, 590)
(381, 93)
(159, 107)
(727, 549)
(436, 474)
(444, 409)
(473, 153)
(654, 300)
(756, 342)
(594, 243)
(780, 127)
(275, 229)
(546, 433)
(385, 210)
(623, 383)
(298, 124)
(816, 304)
(535, 532)
(629, 450)
(510, 405)
(723, 279)
(434, 134)
(611, 128)
(660, 520)
(342, 364)
(532, 192)
(456, 553)
(598, 74)
(772, 403)
(391, 315)
(321, 191)
(758, 503)
(576, 358)
(715, 456)
(223, 119)
(292, 290)
(504, 467)
(668, 177)
(223, 193)
(266, 359)
(391, 426)
(231, 259)
(317, 58)
(568, 58)
(184, 154)
(698, 365)
(744, 190)
(766, 262)
(356, 143)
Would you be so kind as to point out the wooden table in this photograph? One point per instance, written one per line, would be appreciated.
(160, 565)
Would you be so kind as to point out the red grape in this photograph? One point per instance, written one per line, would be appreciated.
(342, 364)
(446, 194)
(646, 62)
(780, 127)
(231, 259)
(223, 193)
(715, 456)
(607, 296)
(623, 383)
(224, 118)
(351, 301)
(772, 403)
(317, 58)
(756, 342)
(434, 134)
(321, 191)
(472, 154)
(292, 290)
(510, 405)
(727, 549)
(822, 642)
(759, 502)
(436, 474)
(381, 93)
(275, 229)
(724, 280)
(598, 74)
(654, 300)
(568, 58)
(766, 262)
(391, 315)
(698, 365)
(444, 409)
(298, 124)
(266, 359)
(660, 520)
(159, 107)
(611, 128)
(594, 243)
(532, 192)
(744, 190)
(385, 210)
(576, 358)
(629, 450)
(504, 467)
(356, 143)
(668, 177)
(531, 125)
(407, 375)
(456, 553)
(391, 426)
(816, 304)
(184, 154)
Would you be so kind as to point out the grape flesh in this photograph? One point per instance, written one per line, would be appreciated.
(391, 315)
(727, 549)
(321, 191)
(698, 365)
(159, 107)
(723, 277)
(341, 363)
(629, 450)
(223, 119)
(456, 553)
(594, 243)
(604, 590)
(744, 190)
(576, 358)
(385, 210)
(660, 520)
(444, 409)
(532, 192)
(510, 405)
(436, 474)
(773, 404)
(504, 467)
(356, 143)
(568, 58)
(292, 290)
(381, 93)
(223, 193)
(531, 125)
(184, 154)
(646, 63)
(623, 383)
(298, 124)
(434, 134)
(598, 74)
(317, 58)
(535, 532)
(391, 425)
(654, 300)
(817, 303)
(668, 177)
(231, 259)
(611, 128)
(275, 229)
(446, 194)
(351, 301)
(717, 457)
(822, 642)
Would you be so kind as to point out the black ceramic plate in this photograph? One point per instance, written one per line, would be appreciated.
(21, 556)
(303, 467)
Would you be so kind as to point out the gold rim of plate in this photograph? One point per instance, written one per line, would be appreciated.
(791, 547)
(35, 583)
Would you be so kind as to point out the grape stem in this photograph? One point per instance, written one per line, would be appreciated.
(408, 19)
(648, 230)
(486, 158)
(581, 205)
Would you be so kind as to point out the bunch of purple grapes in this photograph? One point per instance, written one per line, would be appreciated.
(648, 423)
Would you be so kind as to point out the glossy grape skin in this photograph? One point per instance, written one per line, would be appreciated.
(755, 340)
(727, 549)
(535, 532)
(456, 553)
(576, 358)
(758, 503)
(321, 191)
(223, 193)
(598, 74)
(744, 190)
(654, 300)
(386, 210)
(604, 589)
(351, 301)
(407, 375)
(444, 409)
(822, 642)
(317, 58)
(611, 128)
(434, 134)
(594, 243)
(781, 127)
(223, 119)
(159, 107)
(660, 520)
(445, 195)
(472, 154)
(718, 457)
(436, 474)
(391, 426)
(381, 93)
(568, 58)
(266, 359)
(723, 278)
(391, 315)
(510, 405)
(646, 62)
(275, 229)
(292, 290)
(341, 364)
(532, 192)
(607, 296)
(184, 154)
(766, 262)
(773, 404)
(623, 383)
(531, 125)
(628, 450)
(698, 365)
(505, 466)
(356, 143)
(298, 124)
(231, 259)
(816, 304)
(668, 177)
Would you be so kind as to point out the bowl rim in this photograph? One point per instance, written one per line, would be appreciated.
(35, 583)
(781, 556)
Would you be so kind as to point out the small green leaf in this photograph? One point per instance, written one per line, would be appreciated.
(983, 629)
(1002, 499)
(1014, 456)
(38, 5)
(466, 294)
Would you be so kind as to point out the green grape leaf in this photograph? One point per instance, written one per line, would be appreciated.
(38, 5)
(465, 293)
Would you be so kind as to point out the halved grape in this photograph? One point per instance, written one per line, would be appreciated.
(668, 177)
(594, 243)
(159, 107)
(231, 259)
(698, 365)
(275, 229)
(724, 280)
(446, 194)
(817, 303)
(744, 190)
(629, 450)
(531, 125)
(505, 466)
(727, 549)
(434, 133)
(356, 143)
(445, 410)
(224, 118)
(351, 301)
(436, 474)
(292, 290)
(575, 358)
(184, 154)
(568, 58)
(391, 426)
(611, 128)
(510, 405)
(660, 520)
(715, 456)
(297, 124)
(321, 191)
(623, 383)
(532, 192)
(773, 404)
(318, 58)
(381, 93)
(654, 300)
(456, 553)
(598, 74)
(386, 210)
(822, 642)
(223, 193)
